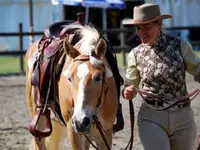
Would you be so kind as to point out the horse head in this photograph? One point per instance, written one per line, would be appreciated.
(86, 76)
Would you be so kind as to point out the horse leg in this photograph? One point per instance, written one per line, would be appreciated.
(39, 143)
(100, 142)
(86, 144)
(53, 142)
(76, 141)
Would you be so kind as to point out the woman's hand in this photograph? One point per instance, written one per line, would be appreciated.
(128, 92)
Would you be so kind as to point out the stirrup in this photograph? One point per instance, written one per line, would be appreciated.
(33, 125)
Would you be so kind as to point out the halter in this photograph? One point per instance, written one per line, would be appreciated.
(95, 118)
(87, 58)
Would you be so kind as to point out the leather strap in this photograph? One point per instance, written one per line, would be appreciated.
(132, 121)
(177, 101)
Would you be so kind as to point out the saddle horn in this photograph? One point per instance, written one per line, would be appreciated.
(70, 29)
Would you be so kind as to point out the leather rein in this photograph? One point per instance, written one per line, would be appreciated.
(178, 101)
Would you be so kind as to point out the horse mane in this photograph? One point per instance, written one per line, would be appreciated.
(85, 40)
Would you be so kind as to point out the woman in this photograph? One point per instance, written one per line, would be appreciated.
(160, 63)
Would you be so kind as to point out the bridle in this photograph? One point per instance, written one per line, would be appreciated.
(87, 58)
(95, 118)
(99, 102)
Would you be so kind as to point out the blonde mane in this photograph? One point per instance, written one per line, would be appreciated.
(89, 37)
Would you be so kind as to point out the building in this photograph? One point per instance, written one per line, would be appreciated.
(13, 12)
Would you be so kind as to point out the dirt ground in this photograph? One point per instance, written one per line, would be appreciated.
(14, 116)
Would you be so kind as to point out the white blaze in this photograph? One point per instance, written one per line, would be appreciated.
(82, 71)
(79, 111)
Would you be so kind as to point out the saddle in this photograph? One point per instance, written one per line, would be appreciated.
(57, 30)
(46, 72)
(54, 30)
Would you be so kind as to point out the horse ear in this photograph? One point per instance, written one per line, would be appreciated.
(70, 50)
(101, 48)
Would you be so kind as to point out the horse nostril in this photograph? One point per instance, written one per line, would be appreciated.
(86, 122)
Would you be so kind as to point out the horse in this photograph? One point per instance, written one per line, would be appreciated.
(85, 88)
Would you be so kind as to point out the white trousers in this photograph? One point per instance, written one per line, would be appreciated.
(168, 129)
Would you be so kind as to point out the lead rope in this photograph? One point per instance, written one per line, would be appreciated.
(183, 99)
(192, 94)
(91, 142)
(132, 121)
(101, 130)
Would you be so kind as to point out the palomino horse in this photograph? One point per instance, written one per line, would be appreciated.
(85, 88)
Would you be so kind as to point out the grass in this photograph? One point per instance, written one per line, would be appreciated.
(11, 64)
(198, 53)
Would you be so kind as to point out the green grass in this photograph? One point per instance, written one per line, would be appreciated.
(121, 60)
(198, 53)
(11, 64)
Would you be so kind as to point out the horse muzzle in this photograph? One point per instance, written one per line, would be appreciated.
(81, 126)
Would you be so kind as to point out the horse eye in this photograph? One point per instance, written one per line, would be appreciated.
(98, 78)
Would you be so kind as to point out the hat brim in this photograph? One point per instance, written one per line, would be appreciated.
(130, 21)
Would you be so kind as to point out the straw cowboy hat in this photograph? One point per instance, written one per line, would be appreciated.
(145, 13)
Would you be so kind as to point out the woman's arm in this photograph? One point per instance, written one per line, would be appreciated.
(132, 74)
(192, 62)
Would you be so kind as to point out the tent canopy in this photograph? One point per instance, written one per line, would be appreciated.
(118, 4)
(104, 4)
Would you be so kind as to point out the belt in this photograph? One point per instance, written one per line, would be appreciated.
(161, 104)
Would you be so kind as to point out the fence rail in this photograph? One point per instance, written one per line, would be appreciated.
(123, 48)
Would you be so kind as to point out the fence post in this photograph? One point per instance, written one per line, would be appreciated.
(122, 44)
(31, 37)
(21, 48)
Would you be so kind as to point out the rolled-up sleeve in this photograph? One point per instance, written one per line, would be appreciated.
(132, 74)
(191, 60)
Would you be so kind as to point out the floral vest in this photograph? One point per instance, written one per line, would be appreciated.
(162, 68)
